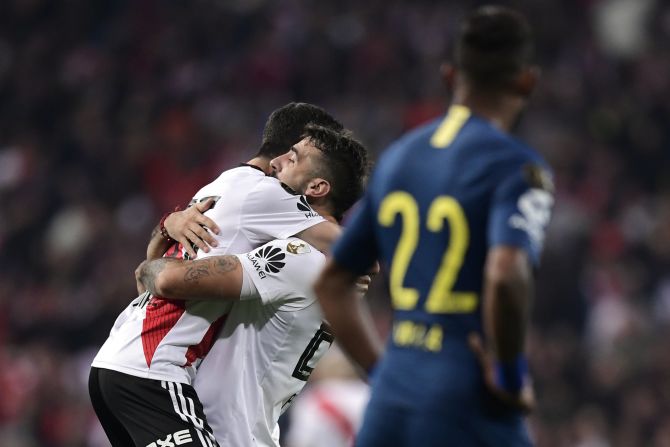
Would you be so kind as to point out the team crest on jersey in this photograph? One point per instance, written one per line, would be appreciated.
(297, 248)
(267, 260)
(304, 207)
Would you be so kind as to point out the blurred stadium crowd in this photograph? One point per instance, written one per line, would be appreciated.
(113, 112)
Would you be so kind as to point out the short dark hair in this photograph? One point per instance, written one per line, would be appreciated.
(286, 125)
(345, 165)
(494, 44)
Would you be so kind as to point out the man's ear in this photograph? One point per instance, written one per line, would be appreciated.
(525, 82)
(317, 187)
(448, 75)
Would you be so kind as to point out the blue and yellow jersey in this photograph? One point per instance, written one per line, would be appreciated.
(438, 200)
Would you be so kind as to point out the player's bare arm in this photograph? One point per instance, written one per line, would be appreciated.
(214, 278)
(507, 292)
(354, 329)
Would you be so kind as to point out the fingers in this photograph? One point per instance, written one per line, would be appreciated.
(363, 284)
(201, 234)
(200, 218)
(375, 269)
(524, 400)
(186, 245)
(194, 238)
(204, 205)
(208, 223)
(364, 280)
(179, 220)
(186, 228)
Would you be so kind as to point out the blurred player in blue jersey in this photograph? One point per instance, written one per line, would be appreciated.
(456, 210)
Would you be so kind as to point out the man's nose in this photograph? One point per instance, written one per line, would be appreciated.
(278, 162)
(274, 164)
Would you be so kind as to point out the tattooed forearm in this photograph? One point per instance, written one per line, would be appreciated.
(209, 278)
(210, 266)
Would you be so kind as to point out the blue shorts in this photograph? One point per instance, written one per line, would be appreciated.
(386, 426)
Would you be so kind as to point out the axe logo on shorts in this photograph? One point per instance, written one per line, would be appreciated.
(180, 437)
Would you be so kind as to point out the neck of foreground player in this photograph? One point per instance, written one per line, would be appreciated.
(323, 211)
(262, 163)
(502, 110)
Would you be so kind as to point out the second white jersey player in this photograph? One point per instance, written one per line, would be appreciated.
(268, 347)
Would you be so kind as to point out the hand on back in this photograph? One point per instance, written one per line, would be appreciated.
(192, 229)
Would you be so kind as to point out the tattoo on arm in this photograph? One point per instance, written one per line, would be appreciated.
(210, 266)
(197, 271)
(194, 270)
(226, 263)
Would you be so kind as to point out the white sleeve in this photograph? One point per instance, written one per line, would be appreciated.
(283, 270)
(272, 211)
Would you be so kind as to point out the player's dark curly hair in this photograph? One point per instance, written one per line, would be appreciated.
(285, 126)
(345, 165)
(494, 44)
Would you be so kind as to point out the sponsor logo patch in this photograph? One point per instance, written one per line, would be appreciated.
(267, 260)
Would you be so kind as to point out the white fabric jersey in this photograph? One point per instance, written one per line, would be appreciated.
(165, 339)
(267, 348)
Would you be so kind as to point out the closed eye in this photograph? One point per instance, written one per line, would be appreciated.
(294, 155)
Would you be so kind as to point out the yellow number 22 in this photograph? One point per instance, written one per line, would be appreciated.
(441, 298)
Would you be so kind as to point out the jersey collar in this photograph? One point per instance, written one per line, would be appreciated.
(252, 166)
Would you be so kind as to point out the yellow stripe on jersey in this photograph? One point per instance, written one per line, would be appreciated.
(448, 129)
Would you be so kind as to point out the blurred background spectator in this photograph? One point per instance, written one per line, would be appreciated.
(114, 111)
(330, 411)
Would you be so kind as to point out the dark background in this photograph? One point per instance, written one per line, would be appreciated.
(113, 112)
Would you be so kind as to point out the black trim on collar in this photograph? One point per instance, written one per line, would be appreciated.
(289, 190)
(252, 166)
